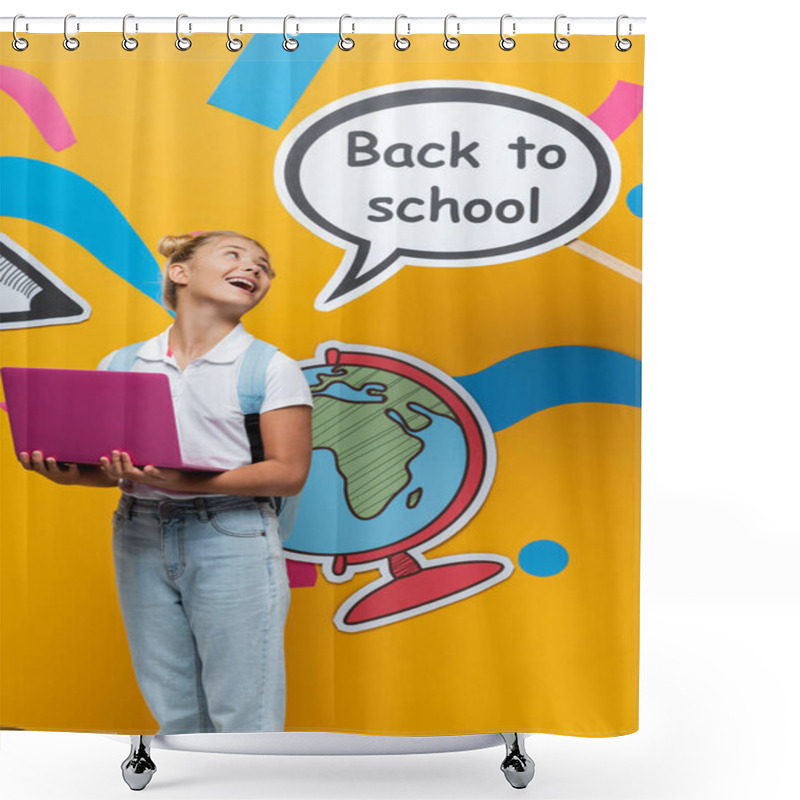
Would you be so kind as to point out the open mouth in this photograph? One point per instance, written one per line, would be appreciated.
(243, 283)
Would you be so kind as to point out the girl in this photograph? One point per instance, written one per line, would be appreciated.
(199, 564)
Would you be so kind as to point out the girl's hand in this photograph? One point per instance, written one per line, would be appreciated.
(49, 468)
(120, 466)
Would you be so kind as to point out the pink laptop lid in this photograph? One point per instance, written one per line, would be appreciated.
(79, 415)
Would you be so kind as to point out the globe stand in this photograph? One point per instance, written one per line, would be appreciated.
(415, 588)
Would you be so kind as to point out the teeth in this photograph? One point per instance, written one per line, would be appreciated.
(245, 284)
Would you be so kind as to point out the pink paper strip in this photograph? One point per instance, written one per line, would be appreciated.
(301, 573)
(39, 104)
(619, 109)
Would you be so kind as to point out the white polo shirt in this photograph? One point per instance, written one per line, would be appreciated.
(209, 419)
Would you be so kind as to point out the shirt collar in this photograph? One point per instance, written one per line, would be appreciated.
(225, 351)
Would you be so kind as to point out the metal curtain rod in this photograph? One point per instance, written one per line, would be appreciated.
(300, 24)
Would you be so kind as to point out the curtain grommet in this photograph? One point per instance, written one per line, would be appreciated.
(234, 45)
(507, 42)
(400, 42)
(18, 43)
(128, 42)
(561, 43)
(623, 45)
(182, 42)
(289, 43)
(451, 42)
(345, 42)
(71, 43)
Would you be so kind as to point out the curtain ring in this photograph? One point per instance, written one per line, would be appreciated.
(128, 42)
(182, 43)
(345, 42)
(19, 43)
(560, 43)
(234, 45)
(289, 43)
(450, 42)
(70, 42)
(623, 45)
(400, 42)
(506, 42)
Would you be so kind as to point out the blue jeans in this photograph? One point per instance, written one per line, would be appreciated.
(204, 595)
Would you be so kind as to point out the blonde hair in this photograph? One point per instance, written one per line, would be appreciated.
(183, 248)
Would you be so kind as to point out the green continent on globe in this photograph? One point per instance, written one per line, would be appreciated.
(372, 450)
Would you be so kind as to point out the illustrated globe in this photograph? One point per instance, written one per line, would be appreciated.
(400, 455)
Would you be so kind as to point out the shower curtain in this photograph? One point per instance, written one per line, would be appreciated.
(456, 237)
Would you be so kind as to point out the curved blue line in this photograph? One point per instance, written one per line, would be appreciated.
(535, 380)
(58, 198)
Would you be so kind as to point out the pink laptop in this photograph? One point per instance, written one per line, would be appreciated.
(78, 415)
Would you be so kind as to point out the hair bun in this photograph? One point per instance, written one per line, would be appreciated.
(167, 245)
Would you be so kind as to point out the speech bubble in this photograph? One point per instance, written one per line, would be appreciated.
(443, 173)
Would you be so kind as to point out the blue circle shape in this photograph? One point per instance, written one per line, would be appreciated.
(634, 200)
(543, 558)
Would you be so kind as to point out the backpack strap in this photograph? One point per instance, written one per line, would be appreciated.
(252, 380)
(124, 359)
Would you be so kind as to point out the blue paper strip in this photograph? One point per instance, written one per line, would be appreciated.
(266, 81)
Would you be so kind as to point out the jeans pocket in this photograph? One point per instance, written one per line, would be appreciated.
(243, 521)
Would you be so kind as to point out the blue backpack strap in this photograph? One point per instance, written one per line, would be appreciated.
(253, 375)
(251, 388)
(124, 358)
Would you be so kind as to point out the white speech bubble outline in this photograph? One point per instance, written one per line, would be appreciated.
(350, 280)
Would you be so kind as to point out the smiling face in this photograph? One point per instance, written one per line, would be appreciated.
(229, 270)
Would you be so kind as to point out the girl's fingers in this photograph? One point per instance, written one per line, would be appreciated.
(153, 472)
(37, 460)
(48, 464)
(54, 468)
(118, 464)
(121, 466)
(129, 470)
(111, 466)
(49, 467)
(127, 466)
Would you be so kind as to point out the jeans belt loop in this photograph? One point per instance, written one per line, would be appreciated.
(202, 511)
(129, 503)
